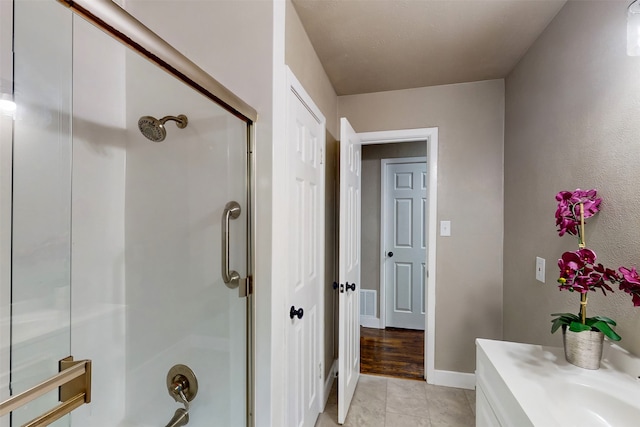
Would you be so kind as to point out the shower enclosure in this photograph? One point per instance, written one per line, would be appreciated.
(125, 215)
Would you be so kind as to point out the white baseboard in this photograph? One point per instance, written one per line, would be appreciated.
(453, 379)
(329, 383)
(370, 322)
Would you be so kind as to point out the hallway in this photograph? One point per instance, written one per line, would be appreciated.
(392, 352)
(393, 402)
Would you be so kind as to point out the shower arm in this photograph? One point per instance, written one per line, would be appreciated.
(181, 120)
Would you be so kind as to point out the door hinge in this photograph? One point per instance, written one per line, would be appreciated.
(246, 286)
(321, 156)
(320, 370)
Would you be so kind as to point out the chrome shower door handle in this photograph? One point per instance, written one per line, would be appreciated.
(230, 278)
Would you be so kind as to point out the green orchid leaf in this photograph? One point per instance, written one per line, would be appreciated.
(565, 318)
(606, 329)
(590, 321)
(556, 324)
(579, 327)
(606, 320)
(569, 315)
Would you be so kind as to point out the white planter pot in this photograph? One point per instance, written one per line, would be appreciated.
(583, 349)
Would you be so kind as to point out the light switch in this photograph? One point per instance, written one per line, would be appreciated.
(445, 228)
(540, 269)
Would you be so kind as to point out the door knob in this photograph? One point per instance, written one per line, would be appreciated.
(390, 254)
(351, 286)
(293, 312)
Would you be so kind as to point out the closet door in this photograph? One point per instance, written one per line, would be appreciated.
(305, 294)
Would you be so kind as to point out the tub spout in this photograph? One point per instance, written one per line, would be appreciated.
(180, 418)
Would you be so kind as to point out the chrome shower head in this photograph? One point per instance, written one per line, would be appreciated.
(153, 129)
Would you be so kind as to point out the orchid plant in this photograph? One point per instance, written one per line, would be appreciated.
(578, 269)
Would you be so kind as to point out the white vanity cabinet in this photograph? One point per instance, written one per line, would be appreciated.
(496, 405)
(524, 385)
(485, 417)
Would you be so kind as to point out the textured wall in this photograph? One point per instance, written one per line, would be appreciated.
(371, 156)
(572, 108)
(303, 61)
(470, 119)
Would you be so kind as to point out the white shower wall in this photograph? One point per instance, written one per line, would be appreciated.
(97, 276)
(154, 208)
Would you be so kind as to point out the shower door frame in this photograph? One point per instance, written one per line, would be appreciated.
(6, 154)
(118, 23)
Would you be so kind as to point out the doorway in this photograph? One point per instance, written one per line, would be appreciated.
(413, 143)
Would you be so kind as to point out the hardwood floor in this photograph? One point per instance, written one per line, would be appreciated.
(392, 352)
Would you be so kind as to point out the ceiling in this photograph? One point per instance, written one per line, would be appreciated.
(379, 45)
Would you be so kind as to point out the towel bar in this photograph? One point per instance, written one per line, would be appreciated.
(74, 381)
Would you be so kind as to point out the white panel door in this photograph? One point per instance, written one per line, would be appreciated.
(349, 267)
(405, 244)
(306, 262)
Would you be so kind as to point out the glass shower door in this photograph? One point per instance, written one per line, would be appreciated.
(117, 247)
(179, 311)
(41, 201)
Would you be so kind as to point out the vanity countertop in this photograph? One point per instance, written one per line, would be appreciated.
(552, 392)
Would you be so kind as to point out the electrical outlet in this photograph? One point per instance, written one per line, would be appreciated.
(540, 270)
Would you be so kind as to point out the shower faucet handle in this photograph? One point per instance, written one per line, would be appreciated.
(182, 383)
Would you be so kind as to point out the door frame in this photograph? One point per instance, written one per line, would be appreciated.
(6, 148)
(383, 229)
(430, 137)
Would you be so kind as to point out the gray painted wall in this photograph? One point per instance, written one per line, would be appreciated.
(301, 58)
(470, 118)
(571, 121)
(371, 156)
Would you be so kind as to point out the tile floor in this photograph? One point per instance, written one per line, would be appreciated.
(392, 402)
